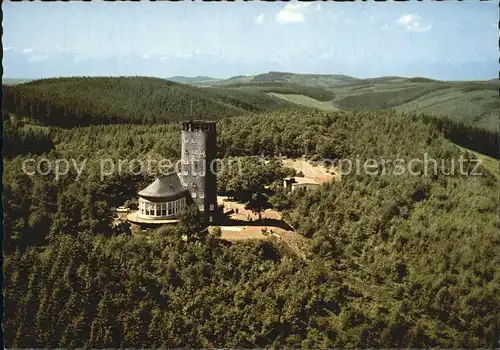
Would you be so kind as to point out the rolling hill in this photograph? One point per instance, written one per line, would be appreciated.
(474, 103)
(316, 80)
(471, 102)
(193, 80)
(468, 110)
(149, 100)
(107, 100)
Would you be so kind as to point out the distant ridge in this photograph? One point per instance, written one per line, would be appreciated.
(191, 80)
(102, 100)
(14, 81)
(471, 102)
(317, 80)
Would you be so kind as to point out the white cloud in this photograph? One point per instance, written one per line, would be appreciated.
(7, 48)
(259, 19)
(28, 50)
(292, 13)
(164, 58)
(318, 7)
(146, 56)
(289, 17)
(413, 23)
(38, 58)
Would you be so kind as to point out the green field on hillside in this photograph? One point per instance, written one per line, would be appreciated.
(474, 103)
(471, 102)
(306, 101)
(317, 93)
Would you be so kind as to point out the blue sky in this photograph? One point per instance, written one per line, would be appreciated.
(447, 40)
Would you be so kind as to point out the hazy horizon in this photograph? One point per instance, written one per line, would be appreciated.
(233, 76)
(437, 40)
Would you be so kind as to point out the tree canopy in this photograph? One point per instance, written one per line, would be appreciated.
(396, 260)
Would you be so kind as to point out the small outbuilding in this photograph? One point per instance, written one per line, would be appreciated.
(291, 184)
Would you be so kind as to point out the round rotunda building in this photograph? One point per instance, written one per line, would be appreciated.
(162, 201)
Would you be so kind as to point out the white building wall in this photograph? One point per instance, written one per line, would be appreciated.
(308, 187)
(161, 210)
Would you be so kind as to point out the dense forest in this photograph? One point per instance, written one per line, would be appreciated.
(81, 101)
(18, 140)
(396, 260)
(476, 138)
(84, 101)
(318, 93)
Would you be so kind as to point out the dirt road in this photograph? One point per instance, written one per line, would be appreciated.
(318, 173)
(249, 228)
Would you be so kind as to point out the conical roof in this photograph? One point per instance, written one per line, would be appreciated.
(164, 187)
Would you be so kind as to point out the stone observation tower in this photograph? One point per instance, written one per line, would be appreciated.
(197, 170)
